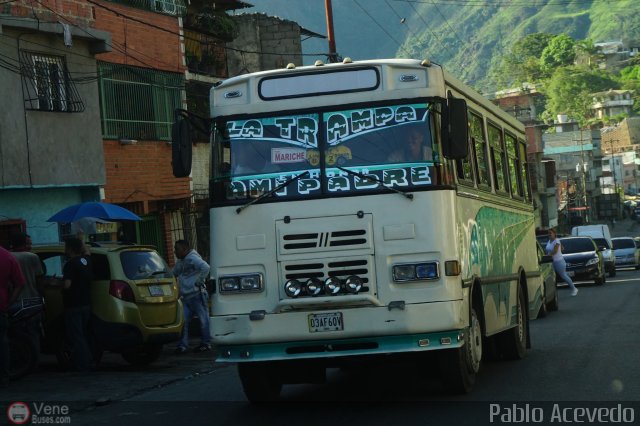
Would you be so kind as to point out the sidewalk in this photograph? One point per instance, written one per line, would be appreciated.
(114, 380)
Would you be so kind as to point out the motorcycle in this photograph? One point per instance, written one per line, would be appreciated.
(24, 336)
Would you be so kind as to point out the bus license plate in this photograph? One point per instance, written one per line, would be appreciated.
(156, 290)
(325, 322)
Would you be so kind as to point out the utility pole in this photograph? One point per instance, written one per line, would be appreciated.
(333, 55)
(583, 180)
(615, 182)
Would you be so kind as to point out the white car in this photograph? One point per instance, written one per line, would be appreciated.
(627, 254)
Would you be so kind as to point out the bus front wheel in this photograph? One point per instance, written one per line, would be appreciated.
(259, 381)
(460, 366)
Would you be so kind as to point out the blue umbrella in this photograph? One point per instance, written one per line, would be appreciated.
(98, 210)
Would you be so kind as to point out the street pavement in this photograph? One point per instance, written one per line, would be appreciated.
(114, 379)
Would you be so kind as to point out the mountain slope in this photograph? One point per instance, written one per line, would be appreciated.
(467, 36)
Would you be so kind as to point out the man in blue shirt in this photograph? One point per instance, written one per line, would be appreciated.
(192, 271)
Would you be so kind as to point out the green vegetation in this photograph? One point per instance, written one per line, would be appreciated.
(491, 45)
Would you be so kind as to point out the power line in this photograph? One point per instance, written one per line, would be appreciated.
(402, 20)
(507, 3)
(382, 28)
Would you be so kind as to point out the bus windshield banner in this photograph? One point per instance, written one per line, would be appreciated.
(342, 151)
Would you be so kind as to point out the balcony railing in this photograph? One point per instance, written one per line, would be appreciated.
(165, 7)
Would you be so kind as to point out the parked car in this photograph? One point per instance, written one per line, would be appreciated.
(550, 296)
(135, 307)
(584, 259)
(627, 254)
(602, 236)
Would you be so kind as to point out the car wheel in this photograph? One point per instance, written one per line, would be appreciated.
(553, 305)
(143, 355)
(612, 272)
(543, 308)
(459, 366)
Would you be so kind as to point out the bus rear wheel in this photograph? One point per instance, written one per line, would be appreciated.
(259, 381)
(513, 342)
(459, 366)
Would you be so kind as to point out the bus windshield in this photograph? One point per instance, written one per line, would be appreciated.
(388, 145)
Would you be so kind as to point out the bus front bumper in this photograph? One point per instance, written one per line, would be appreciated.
(363, 331)
(341, 348)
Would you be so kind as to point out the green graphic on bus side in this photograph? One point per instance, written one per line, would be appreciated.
(494, 240)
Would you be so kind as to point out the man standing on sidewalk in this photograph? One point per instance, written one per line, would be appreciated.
(192, 272)
(11, 282)
(77, 276)
(32, 270)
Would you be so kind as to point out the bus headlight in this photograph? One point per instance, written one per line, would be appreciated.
(332, 286)
(314, 286)
(251, 282)
(241, 283)
(293, 288)
(415, 271)
(353, 284)
(404, 272)
(229, 285)
(427, 271)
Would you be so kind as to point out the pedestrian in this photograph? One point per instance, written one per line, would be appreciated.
(11, 283)
(554, 248)
(77, 275)
(192, 271)
(31, 268)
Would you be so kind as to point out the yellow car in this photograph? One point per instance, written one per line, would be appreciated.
(135, 307)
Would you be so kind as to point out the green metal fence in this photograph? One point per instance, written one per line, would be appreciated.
(150, 232)
(138, 103)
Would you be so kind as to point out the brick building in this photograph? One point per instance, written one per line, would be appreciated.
(50, 143)
(141, 83)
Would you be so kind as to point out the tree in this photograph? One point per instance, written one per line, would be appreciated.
(522, 63)
(569, 91)
(630, 80)
(559, 52)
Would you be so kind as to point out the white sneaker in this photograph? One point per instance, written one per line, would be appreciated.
(574, 292)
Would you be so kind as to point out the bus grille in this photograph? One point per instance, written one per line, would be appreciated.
(336, 240)
(325, 268)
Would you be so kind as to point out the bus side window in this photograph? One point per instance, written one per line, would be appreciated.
(476, 130)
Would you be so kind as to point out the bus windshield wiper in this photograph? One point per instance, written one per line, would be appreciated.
(374, 178)
(273, 191)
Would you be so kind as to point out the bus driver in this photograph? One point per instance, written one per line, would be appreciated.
(414, 150)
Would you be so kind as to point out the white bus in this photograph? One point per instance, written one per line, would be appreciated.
(366, 209)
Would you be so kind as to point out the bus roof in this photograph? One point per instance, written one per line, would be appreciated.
(243, 94)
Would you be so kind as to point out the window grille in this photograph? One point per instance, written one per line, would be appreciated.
(47, 84)
(165, 7)
(138, 103)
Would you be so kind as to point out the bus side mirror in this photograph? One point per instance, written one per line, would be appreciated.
(181, 149)
(455, 140)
